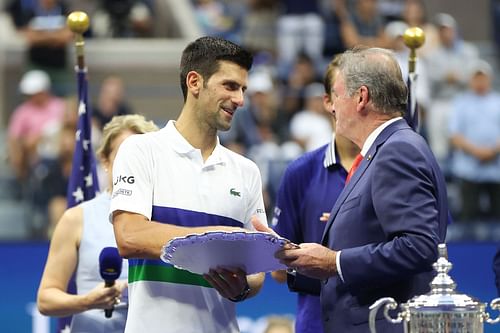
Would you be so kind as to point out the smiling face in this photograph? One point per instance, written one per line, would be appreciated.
(221, 95)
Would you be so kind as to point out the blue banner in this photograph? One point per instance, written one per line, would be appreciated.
(83, 184)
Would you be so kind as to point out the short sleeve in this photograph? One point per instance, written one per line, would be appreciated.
(256, 203)
(132, 180)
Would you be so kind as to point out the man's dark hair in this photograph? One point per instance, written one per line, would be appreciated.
(204, 54)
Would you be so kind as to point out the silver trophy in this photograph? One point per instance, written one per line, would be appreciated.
(442, 310)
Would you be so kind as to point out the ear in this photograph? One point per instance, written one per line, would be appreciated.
(327, 103)
(194, 82)
(363, 98)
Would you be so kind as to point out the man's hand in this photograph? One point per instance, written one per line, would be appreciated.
(310, 259)
(230, 283)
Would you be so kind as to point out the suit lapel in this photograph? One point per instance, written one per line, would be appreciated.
(381, 138)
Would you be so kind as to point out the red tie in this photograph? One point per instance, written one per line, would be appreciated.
(354, 167)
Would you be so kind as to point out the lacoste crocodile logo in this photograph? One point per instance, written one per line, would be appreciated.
(234, 192)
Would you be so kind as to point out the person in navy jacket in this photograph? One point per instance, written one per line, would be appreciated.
(302, 210)
(382, 235)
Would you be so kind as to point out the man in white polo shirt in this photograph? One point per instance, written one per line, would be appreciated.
(179, 181)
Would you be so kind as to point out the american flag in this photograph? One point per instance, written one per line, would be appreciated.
(83, 184)
(411, 114)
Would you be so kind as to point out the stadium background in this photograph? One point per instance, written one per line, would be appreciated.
(152, 85)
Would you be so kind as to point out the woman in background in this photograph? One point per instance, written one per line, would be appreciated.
(80, 235)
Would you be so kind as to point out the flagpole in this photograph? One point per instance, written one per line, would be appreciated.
(413, 38)
(83, 183)
(78, 22)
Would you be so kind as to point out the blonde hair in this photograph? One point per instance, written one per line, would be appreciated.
(118, 124)
(279, 324)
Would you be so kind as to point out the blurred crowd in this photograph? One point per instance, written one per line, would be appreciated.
(283, 117)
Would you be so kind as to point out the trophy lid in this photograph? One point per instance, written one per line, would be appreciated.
(443, 296)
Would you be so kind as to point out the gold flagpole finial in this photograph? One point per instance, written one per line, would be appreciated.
(78, 22)
(413, 37)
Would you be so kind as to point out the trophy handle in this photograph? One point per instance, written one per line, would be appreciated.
(495, 305)
(390, 304)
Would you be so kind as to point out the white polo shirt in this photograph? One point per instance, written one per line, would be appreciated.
(161, 176)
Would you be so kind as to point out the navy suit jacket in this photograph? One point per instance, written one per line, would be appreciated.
(387, 222)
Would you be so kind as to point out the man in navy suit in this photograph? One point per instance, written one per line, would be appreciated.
(382, 235)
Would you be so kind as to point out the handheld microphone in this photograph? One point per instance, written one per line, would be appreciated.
(110, 268)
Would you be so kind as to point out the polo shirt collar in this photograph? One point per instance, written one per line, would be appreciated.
(183, 147)
(330, 154)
